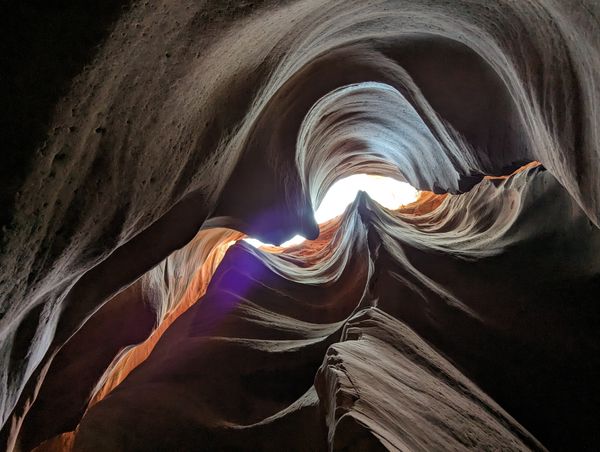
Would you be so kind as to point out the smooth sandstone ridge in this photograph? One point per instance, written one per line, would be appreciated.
(133, 317)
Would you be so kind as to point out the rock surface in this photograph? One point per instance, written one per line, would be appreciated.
(133, 318)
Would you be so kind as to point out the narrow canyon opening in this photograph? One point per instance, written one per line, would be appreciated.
(387, 192)
(301, 225)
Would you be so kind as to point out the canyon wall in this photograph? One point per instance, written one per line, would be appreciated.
(133, 318)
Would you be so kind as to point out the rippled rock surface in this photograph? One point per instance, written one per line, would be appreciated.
(132, 317)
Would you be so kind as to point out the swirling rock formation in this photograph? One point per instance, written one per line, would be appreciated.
(132, 317)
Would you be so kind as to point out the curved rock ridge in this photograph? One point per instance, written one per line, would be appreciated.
(467, 319)
(261, 335)
(334, 343)
(420, 402)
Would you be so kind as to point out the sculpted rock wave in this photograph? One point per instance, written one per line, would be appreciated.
(132, 318)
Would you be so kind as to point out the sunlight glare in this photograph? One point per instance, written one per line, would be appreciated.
(388, 192)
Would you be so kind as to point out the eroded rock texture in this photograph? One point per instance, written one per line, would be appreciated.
(132, 317)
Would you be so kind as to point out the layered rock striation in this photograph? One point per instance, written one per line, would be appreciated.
(132, 317)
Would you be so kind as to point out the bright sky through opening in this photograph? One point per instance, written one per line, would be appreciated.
(388, 192)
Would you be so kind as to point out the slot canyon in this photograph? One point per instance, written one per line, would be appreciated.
(157, 154)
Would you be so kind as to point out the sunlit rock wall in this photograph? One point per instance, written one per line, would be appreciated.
(131, 319)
